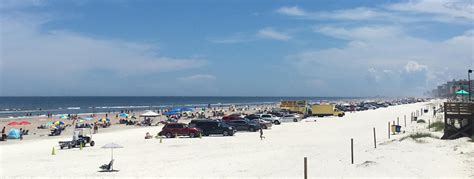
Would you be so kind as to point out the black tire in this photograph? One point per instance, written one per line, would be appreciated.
(252, 129)
(168, 135)
(340, 115)
(276, 122)
(295, 120)
(92, 143)
(192, 135)
(69, 146)
(62, 147)
(225, 133)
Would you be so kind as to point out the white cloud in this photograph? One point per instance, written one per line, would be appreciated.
(235, 38)
(269, 33)
(391, 60)
(413, 66)
(361, 33)
(446, 8)
(197, 78)
(292, 11)
(32, 55)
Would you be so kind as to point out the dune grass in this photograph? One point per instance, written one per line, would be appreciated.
(417, 136)
(437, 126)
(420, 121)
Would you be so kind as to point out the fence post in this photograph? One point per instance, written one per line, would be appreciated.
(398, 121)
(405, 119)
(375, 139)
(352, 151)
(388, 130)
(429, 125)
(305, 168)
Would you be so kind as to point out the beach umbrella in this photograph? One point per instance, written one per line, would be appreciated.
(63, 117)
(58, 123)
(24, 123)
(81, 121)
(123, 115)
(14, 123)
(183, 109)
(112, 146)
(462, 92)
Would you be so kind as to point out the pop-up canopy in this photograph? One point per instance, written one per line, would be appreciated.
(462, 92)
(149, 114)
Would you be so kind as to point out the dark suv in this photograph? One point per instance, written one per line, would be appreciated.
(243, 124)
(179, 129)
(209, 127)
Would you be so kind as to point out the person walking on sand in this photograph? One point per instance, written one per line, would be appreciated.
(261, 134)
(3, 130)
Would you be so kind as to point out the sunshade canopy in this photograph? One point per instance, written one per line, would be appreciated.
(149, 114)
(462, 92)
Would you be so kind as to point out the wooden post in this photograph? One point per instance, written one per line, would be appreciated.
(352, 151)
(375, 139)
(305, 168)
(398, 121)
(405, 119)
(388, 130)
(429, 125)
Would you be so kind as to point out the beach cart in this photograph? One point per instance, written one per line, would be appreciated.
(79, 139)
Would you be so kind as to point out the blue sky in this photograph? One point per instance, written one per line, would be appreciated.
(233, 48)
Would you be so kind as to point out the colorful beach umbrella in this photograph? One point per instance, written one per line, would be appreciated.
(24, 123)
(104, 120)
(14, 123)
(57, 123)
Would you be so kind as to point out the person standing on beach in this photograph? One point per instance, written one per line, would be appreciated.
(3, 130)
(261, 134)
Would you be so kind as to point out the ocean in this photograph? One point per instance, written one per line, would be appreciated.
(20, 106)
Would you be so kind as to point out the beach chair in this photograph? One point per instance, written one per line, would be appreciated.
(108, 167)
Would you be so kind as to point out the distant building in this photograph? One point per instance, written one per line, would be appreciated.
(451, 87)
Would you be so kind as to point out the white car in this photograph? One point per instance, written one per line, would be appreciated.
(290, 118)
(269, 117)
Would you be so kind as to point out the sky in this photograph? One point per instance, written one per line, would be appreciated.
(233, 48)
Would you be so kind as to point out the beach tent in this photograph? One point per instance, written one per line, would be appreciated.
(149, 114)
(63, 117)
(14, 134)
(462, 92)
(123, 115)
(13, 123)
(24, 123)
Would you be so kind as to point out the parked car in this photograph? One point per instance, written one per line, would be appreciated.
(209, 127)
(179, 129)
(234, 116)
(273, 119)
(244, 125)
(291, 118)
(263, 124)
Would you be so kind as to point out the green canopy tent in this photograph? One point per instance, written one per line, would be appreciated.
(462, 92)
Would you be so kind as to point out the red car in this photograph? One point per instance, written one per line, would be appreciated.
(235, 116)
(179, 129)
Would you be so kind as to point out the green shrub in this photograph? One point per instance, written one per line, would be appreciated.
(437, 126)
(420, 121)
(417, 136)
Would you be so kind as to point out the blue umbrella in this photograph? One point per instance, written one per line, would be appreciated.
(169, 113)
(63, 117)
(186, 109)
(123, 115)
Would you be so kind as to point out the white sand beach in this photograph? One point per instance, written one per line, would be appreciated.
(326, 144)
